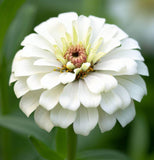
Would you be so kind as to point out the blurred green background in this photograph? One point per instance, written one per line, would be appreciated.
(17, 19)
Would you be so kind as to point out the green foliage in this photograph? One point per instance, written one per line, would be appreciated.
(24, 27)
(102, 155)
(44, 150)
(24, 126)
(9, 9)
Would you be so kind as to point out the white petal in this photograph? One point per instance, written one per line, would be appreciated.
(125, 116)
(16, 59)
(69, 98)
(135, 85)
(87, 98)
(49, 98)
(42, 119)
(123, 94)
(142, 68)
(130, 43)
(120, 34)
(34, 81)
(83, 24)
(31, 51)
(111, 35)
(25, 67)
(86, 120)
(12, 78)
(94, 83)
(106, 121)
(109, 46)
(29, 102)
(110, 102)
(108, 32)
(138, 79)
(120, 53)
(67, 19)
(109, 81)
(96, 24)
(52, 30)
(67, 77)
(47, 62)
(50, 80)
(124, 66)
(62, 117)
(20, 87)
(37, 41)
(113, 65)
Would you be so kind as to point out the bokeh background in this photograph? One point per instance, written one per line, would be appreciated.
(17, 19)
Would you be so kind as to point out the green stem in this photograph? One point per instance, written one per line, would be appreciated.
(71, 143)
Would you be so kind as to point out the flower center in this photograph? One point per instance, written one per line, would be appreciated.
(76, 54)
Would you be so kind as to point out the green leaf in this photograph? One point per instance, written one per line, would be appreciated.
(8, 9)
(61, 144)
(24, 126)
(44, 150)
(19, 29)
(101, 155)
(15, 34)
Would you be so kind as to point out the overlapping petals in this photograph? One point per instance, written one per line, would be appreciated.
(63, 89)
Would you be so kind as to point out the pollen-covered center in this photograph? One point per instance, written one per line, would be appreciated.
(76, 54)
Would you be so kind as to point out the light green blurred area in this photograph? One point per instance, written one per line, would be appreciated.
(17, 19)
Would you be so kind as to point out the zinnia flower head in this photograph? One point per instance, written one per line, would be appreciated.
(79, 70)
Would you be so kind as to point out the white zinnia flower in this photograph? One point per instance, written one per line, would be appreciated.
(79, 70)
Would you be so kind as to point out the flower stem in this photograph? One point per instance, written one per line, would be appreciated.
(71, 143)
